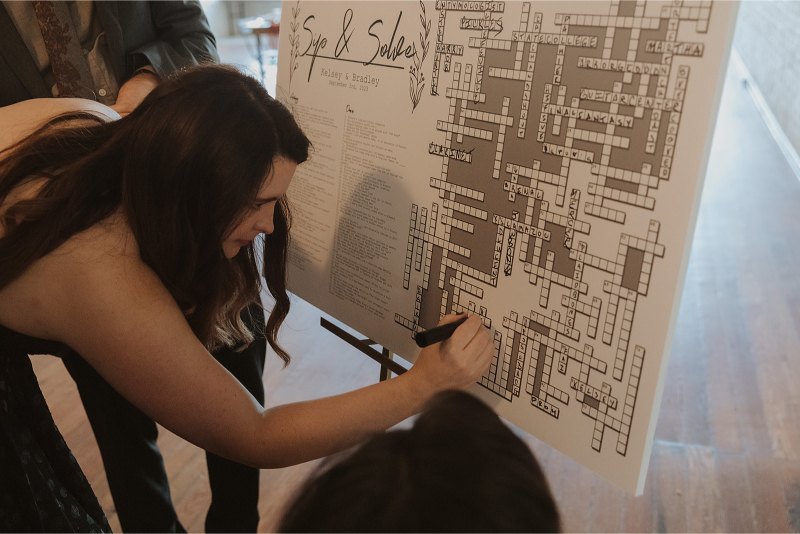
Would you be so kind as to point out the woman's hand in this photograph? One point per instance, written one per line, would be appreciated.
(134, 91)
(457, 362)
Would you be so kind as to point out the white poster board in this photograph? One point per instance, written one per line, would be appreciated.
(538, 163)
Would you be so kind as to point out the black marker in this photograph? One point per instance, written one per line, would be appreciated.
(438, 333)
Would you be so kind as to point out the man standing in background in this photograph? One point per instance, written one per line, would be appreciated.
(116, 53)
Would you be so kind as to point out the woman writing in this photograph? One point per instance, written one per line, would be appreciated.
(133, 243)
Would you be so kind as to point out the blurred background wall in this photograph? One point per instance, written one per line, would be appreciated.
(222, 14)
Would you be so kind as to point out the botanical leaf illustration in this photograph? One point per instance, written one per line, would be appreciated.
(417, 80)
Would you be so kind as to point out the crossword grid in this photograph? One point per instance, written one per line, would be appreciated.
(636, 113)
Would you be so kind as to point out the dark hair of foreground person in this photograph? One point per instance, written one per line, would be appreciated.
(459, 469)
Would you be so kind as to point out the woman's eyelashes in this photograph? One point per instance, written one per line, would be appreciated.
(261, 203)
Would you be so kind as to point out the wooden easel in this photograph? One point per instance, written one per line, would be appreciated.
(365, 345)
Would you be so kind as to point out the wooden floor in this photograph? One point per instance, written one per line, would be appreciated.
(727, 449)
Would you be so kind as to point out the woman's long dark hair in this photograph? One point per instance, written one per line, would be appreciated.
(184, 167)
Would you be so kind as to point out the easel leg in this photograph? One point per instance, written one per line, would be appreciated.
(385, 358)
(386, 374)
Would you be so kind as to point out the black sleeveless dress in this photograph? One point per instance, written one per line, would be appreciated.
(42, 488)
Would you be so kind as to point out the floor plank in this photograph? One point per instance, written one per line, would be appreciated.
(736, 494)
(703, 514)
(671, 484)
(770, 509)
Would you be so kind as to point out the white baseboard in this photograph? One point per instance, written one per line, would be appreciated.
(775, 128)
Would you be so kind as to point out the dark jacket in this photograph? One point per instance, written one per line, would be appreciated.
(166, 35)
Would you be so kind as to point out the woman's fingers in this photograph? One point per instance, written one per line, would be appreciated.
(465, 332)
(458, 361)
(468, 348)
(450, 317)
(479, 338)
(480, 345)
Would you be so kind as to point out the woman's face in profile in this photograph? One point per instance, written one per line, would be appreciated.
(258, 218)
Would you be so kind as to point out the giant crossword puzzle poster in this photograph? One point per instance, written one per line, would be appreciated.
(537, 163)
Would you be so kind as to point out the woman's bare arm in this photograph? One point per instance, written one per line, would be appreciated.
(114, 311)
(22, 119)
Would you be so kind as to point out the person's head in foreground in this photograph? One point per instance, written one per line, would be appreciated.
(198, 171)
(459, 469)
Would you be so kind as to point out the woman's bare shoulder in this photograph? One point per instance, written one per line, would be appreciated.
(92, 268)
(23, 118)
